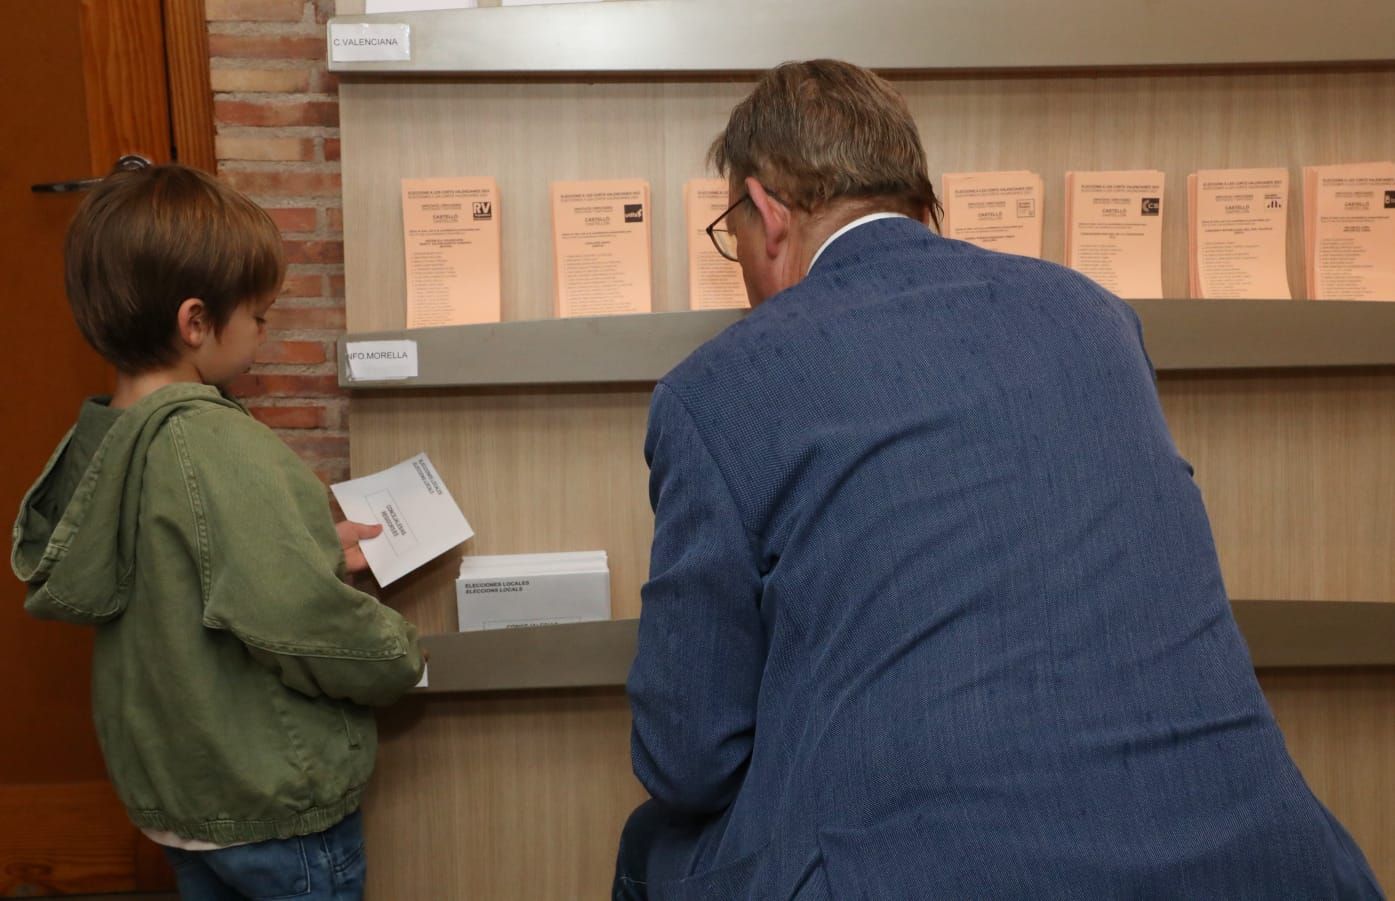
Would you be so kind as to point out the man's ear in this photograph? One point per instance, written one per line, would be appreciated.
(194, 323)
(774, 217)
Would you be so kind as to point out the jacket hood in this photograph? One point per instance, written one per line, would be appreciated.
(79, 560)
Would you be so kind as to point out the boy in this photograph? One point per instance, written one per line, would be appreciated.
(233, 666)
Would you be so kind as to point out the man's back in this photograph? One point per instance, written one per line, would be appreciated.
(994, 654)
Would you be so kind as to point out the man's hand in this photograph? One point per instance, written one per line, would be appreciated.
(350, 534)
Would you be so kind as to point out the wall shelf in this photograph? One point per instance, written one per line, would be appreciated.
(638, 88)
(1180, 335)
(589, 350)
(572, 655)
(1317, 633)
(685, 37)
(598, 654)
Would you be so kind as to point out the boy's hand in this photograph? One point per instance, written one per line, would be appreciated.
(350, 534)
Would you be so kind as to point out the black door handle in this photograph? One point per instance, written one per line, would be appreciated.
(127, 162)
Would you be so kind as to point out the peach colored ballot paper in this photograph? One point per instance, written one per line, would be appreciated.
(1114, 229)
(450, 228)
(1238, 233)
(1349, 233)
(601, 247)
(714, 282)
(994, 210)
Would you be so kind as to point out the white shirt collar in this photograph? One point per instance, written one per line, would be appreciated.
(873, 217)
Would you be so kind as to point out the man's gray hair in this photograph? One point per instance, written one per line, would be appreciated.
(823, 131)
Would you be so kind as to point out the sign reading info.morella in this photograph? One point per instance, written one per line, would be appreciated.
(365, 43)
(380, 361)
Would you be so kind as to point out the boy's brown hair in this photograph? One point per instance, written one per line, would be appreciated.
(146, 240)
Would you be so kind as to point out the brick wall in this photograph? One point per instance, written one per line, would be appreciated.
(276, 110)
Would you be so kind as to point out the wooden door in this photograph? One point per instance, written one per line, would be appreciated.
(81, 83)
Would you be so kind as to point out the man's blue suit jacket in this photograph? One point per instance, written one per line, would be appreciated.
(934, 609)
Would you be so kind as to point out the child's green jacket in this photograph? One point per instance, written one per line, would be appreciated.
(233, 667)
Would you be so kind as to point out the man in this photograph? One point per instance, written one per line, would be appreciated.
(934, 610)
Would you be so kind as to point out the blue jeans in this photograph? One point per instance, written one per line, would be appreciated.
(325, 865)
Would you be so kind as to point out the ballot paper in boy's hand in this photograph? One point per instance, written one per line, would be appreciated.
(419, 518)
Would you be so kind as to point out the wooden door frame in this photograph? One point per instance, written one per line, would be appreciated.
(75, 836)
(191, 85)
(120, 80)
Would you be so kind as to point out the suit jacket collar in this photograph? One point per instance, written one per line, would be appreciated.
(868, 238)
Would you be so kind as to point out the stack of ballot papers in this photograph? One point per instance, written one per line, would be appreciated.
(450, 230)
(419, 517)
(995, 210)
(512, 590)
(1114, 230)
(1237, 234)
(601, 249)
(1349, 231)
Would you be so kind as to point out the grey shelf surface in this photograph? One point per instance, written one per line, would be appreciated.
(1179, 334)
(1317, 633)
(590, 350)
(598, 654)
(572, 655)
(710, 36)
(1267, 334)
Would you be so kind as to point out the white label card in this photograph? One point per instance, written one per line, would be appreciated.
(381, 361)
(364, 43)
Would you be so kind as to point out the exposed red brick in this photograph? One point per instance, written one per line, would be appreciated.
(319, 252)
(260, 81)
(303, 352)
(317, 445)
(325, 82)
(321, 113)
(305, 319)
(271, 72)
(256, 384)
(330, 472)
(266, 46)
(298, 416)
(254, 10)
(244, 147)
(302, 285)
(293, 219)
(283, 182)
(336, 414)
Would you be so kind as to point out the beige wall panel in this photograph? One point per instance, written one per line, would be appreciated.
(1297, 473)
(1173, 122)
(518, 795)
(471, 790)
(528, 134)
(561, 470)
(522, 796)
(1295, 470)
(1340, 729)
(514, 797)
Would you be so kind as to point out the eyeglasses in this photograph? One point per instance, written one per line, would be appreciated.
(724, 239)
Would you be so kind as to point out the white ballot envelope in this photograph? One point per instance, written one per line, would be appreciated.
(419, 517)
(511, 590)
